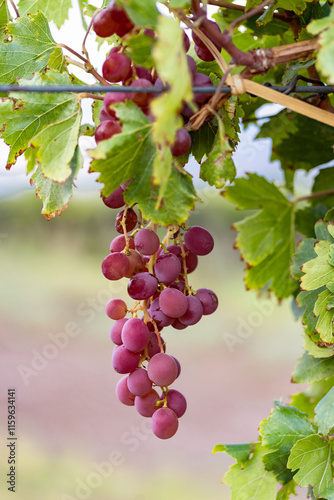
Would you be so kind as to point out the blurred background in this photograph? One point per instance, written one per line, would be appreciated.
(75, 440)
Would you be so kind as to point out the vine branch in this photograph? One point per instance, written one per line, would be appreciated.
(248, 14)
(318, 194)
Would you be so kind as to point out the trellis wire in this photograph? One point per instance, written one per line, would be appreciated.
(92, 89)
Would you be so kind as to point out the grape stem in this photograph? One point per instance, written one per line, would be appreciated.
(15, 8)
(183, 253)
(86, 67)
(318, 194)
(84, 50)
(147, 317)
(158, 335)
(126, 236)
(247, 15)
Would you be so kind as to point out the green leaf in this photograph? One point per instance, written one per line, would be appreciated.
(310, 369)
(5, 16)
(251, 481)
(52, 9)
(25, 115)
(54, 195)
(202, 140)
(57, 60)
(328, 494)
(312, 457)
(28, 48)
(315, 350)
(141, 12)
(287, 490)
(307, 217)
(304, 403)
(324, 415)
(219, 166)
(305, 253)
(240, 452)
(130, 155)
(325, 314)
(322, 182)
(265, 239)
(325, 27)
(139, 49)
(298, 6)
(317, 271)
(285, 426)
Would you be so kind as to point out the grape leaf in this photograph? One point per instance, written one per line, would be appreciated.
(315, 350)
(265, 239)
(279, 432)
(130, 155)
(325, 27)
(324, 415)
(318, 272)
(312, 456)
(202, 140)
(298, 6)
(139, 48)
(308, 300)
(4, 15)
(310, 369)
(240, 452)
(54, 195)
(26, 115)
(324, 312)
(308, 216)
(305, 253)
(328, 494)
(322, 182)
(52, 9)
(287, 490)
(27, 49)
(304, 403)
(251, 481)
(141, 12)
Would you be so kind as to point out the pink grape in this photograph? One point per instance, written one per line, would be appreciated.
(162, 369)
(193, 313)
(136, 263)
(176, 402)
(186, 42)
(157, 315)
(147, 241)
(143, 73)
(123, 393)
(178, 366)
(167, 268)
(116, 331)
(115, 266)
(116, 67)
(107, 114)
(191, 261)
(103, 24)
(138, 382)
(120, 17)
(164, 423)
(135, 335)
(182, 143)
(116, 309)
(130, 220)
(192, 65)
(204, 53)
(118, 244)
(179, 284)
(208, 299)
(178, 325)
(173, 302)
(115, 199)
(153, 345)
(142, 99)
(145, 405)
(201, 80)
(124, 361)
(142, 286)
(112, 98)
(198, 240)
(106, 130)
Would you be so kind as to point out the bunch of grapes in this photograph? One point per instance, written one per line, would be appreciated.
(119, 68)
(158, 284)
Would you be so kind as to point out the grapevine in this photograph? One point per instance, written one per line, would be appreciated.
(178, 80)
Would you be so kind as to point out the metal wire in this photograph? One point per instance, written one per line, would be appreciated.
(93, 89)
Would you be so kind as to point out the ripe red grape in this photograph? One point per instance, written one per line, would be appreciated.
(121, 19)
(178, 325)
(136, 263)
(116, 67)
(153, 345)
(115, 266)
(142, 286)
(130, 220)
(199, 42)
(194, 312)
(147, 241)
(116, 309)
(176, 402)
(142, 99)
(167, 268)
(107, 114)
(173, 302)
(208, 299)
(138, 382)
(164, 423)
(198, 240)
(186, 41)
(182, 143)
(144, 73)
(123, 360)
(123, 393)
(162, 369)
(103, 24)
(158, 316)
(145, 405)
(116, 331)
(106, 130)
(204, 53)
(112, 98)
(192, 65)
(118, 244)
(115, 199)
(135, 335)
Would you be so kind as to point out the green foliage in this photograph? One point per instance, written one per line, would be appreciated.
(141, 12)
(325, 27)
(324, 416)
(52, 10)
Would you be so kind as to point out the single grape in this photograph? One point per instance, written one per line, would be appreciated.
(112, 98)
(128, 76)
(182, 143)
(178, 325)
(198, 240)
(136, 263)
(179, 284)
(107, 114)
(153, 345)
(123, 360)
(147, 241)
(186, 41)
(130, 220)
(138, 382)
(144, 73)
(208, 299)
(201, 80)
(192, 65)
(199, 42)
(142, 99)
(157, 315)
(193, 313)
(178, 366)
(115, 266)
(115, 199)
(116, 309)
(204, 53)
(135, 335)
(142, 286)
(120, 17)
(106, 130)
(164, 423)
(116, 331)
(145, 405)
(118, 244)
(167, 268)
(191, 261)
(123, 393)
(148, 32)
(116, 67)
(173, 302)
(103, 24)
(162, 369)
(176, 402)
